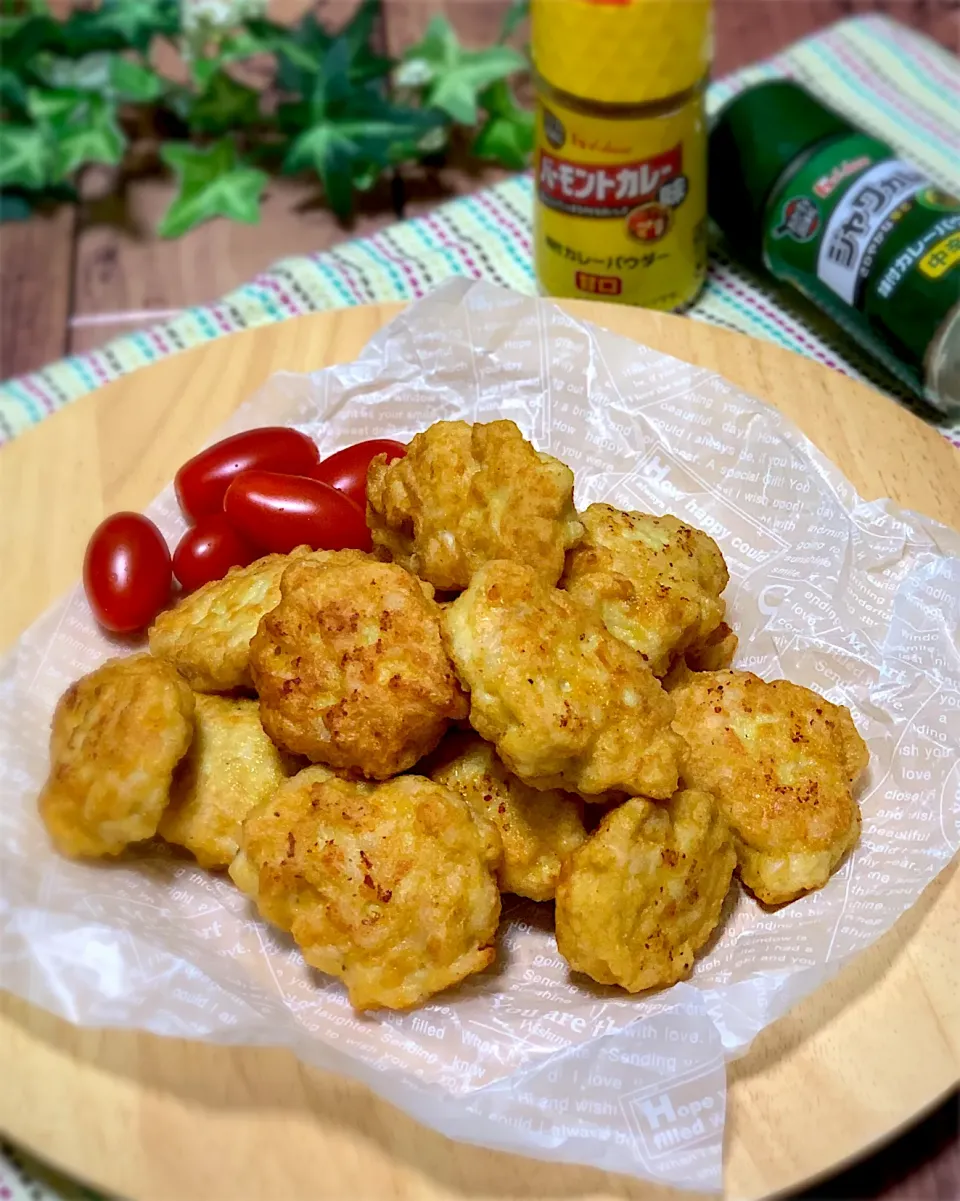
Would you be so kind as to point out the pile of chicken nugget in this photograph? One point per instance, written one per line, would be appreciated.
(507, 696)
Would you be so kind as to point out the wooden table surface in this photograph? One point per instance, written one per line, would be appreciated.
(72, 280)
(80, 276)
(844, 1069)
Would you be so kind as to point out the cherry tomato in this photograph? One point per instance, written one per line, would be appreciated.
(278, 512)
(208, 551)
(347, 469)
(126, 572)
(201, 483)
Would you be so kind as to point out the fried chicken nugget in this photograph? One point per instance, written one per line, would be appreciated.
(566, 704)
(389, 887)
(207, 635)
(644, 893)
(714, 653)
(538, 829)
(117, 734)
(231, 766)
(654, 582)
(782, 762)
(466, 494)
(350, 665)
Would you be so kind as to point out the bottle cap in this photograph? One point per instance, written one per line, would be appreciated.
(755, 137)
(622, 51)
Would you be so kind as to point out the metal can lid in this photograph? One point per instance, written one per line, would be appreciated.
(754, 139)
(628, 52)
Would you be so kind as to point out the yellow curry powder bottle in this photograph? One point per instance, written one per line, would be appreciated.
(621, 160)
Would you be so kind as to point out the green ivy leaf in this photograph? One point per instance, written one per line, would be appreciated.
(47, 105)
(14, 206)
(223, 105)
(243, 43)
(351, 128)
(259, 37)
(423, 63)
(365, 175)
(82, 125)
(23, 38)
(13, 94)
(120, 24)
(300, 51)
(212, 183)
(86, 31)
(131, 81)
(26, 156)
(89, 73)
(334, 157)
(89, 135)
(365, 64)
(247, 43)
(454, 77)
(508, 133)
(106, 72)
(202, 71)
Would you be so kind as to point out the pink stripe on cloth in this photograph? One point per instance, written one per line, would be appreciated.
(443, 237)
(521, 235)
(30, 385)
(348, 270)
(383, 247)
(872, 81)
(887, 33)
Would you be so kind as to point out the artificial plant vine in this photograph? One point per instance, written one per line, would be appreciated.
(238, 99)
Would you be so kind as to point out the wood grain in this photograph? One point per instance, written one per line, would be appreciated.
(121, 266)
(748, 30)
(36, 266)
(921, 1165)
(845, 1068)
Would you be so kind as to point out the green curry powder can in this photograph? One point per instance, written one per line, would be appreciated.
(836, 213)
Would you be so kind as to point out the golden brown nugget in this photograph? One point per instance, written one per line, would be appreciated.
(207, 635)
(714, 653)
(389, 887)
(566, 704)
(782, 762)
(117, 735)
(644, 893)
(538, 829)
(231, 766)
(466, 494)
(654, 582)
(350, 666)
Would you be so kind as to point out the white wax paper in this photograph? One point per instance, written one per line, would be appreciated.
(861, 601)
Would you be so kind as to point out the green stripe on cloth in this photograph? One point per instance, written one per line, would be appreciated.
(886, 78)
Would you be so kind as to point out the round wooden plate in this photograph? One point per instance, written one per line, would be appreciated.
(152, 1119)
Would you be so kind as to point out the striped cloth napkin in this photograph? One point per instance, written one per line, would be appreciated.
(887, 79)
(890, 81)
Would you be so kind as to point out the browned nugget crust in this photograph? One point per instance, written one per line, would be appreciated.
(538, 829)
(654, 582)
(466, 494)
(782, 762)
(389, 887)
(566, 704)
(117, 734)
(207, 635)
(645, 891)
(232, 766)
(350, 666)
